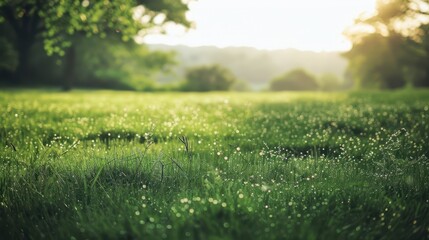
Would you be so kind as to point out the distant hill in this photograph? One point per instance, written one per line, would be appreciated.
(256, 67)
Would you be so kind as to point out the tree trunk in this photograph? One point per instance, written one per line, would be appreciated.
(69, 68)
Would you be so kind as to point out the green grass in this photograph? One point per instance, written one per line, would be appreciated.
(123, 165)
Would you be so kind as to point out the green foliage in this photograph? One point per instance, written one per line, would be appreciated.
(102, 63)
(256, 67)
(241, 86)
(209, 78)
(115, 165)
(375, 65)
(147, 65)
(330, 82)
(295, 80)
(422, 62)
(8, 55)
(58, 23)
(389, 47)
(107, 60)
(56, 20)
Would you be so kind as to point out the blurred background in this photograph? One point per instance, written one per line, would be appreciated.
(215, 45)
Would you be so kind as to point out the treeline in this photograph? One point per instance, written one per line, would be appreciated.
(390, 50)
(255, 67)
(90, 44)
(219, 78)
(97, 63)
(110, 63)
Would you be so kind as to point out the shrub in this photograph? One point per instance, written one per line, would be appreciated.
(295, 80)
(209, 78)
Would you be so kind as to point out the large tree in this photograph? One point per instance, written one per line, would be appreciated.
(388, 46)
(57, 22)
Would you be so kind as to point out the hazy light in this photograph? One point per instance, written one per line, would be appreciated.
(159, 18)
(268, 24)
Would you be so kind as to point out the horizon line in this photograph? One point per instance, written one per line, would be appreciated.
(244, 46)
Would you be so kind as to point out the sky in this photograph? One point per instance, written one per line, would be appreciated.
(313, 25)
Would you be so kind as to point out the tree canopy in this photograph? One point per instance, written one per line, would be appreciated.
(57, 22)
(390, 47)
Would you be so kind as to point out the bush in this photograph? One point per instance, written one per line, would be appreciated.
(295, 80)
(209, 78)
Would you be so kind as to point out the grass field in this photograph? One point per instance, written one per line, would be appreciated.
(124, 165)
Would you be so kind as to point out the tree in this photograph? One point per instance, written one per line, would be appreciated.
(388, 46)
(378, 62)
(422, 61)
(57, 22)
(209, 78)
(295, 80)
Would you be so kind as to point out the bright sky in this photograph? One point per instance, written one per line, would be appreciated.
(268, 24)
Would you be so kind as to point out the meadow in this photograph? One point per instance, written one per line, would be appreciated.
(129, 165)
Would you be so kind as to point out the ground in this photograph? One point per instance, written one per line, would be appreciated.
(121, 165)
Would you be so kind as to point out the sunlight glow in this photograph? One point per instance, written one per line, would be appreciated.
(267, 24)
